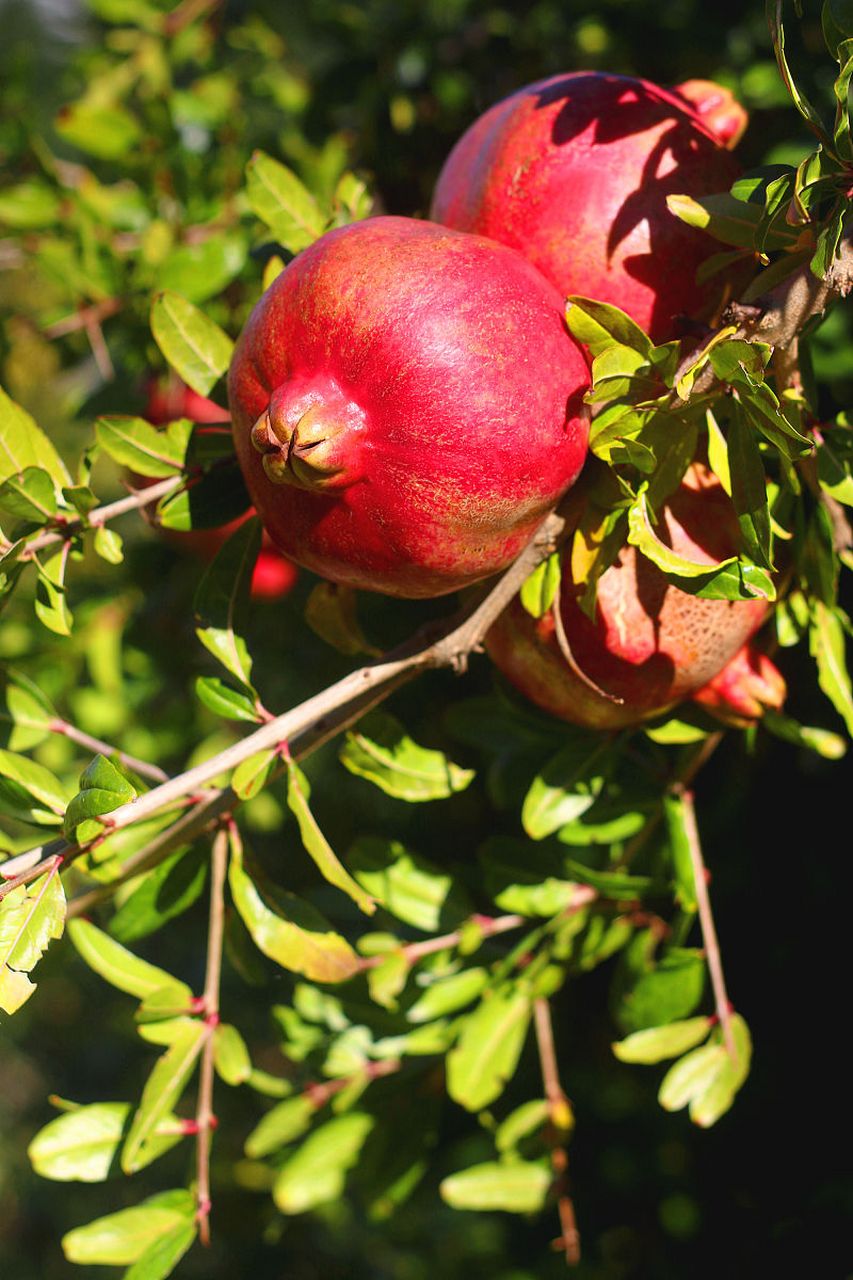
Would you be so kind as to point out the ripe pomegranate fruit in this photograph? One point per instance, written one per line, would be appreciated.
(651, 644)
(574, 172)
(407, 404)
(745, 688)
(168, 399)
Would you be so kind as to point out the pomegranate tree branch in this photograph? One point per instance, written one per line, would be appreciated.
(95, 745)
(706, 921)
(489, 926)
(446, 644)
(559, 1122)
(204, 1117)
(102, 515)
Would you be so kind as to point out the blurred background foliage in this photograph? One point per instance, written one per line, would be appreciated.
(151, 154)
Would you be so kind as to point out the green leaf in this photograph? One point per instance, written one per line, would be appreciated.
(731, 220)
(230, 1055)
(283, 203)
(656, 1044)
(600, 326)
(566, 786)
(283, 1124)
(103, 788)
(29, 206)
(164, 893)
(105, 130)
(120, 967)
(191, 342)
(222, 597)
(540, 589)
(749, 491)
(163, 1255)
(835, 463)
(80, 1145)
(23, 444)
(29, 791)
(658, 989)
(707, 1079)
(30, 495)
(288, 930)
(203, 269)
(525, 1120)
(147, 450)
(827, 647)
(486, 1054)
(30, 711)
(519, 1186)
(162, 1090)
(388, 979)
(316, 844)
(641, 535)
(207, 501)
(108, 545)
(381, 751)
(409, 886)
(678, 828)
(51, 603)
(120, 1238)
(777, 34)
(30, 917)
(250, 776)
(331, 613)
(224, 700)
(317, 1172)
(829, 745)
(448, 995)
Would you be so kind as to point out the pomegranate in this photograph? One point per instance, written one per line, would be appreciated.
(651, 644)
(168, 399)
(745, 688)
(574, 172)
(407, 405)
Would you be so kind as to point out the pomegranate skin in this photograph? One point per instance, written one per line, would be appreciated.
(651, 644)
(407, 404)
(574, 172)
(167, 399)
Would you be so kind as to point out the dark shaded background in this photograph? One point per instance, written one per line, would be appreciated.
(769, 1192)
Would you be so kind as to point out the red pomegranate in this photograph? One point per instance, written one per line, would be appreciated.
(745, 688)
(574, 172)
(407, 405)
(168, 399)
(651, 644)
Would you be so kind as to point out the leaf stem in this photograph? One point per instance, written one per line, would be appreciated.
(413, 951)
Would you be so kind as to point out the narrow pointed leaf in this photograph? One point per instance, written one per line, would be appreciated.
(316, 844)
(520, 1186)
(162, 1090)
(381, 751)
(486, 1055)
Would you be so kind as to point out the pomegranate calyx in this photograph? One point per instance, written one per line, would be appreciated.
(308, 437)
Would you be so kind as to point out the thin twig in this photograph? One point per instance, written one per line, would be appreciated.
(320, 1094)
(84, 318)
(187, 13)
(489, 926)
(559, 1120)
(102, 515)
(706, 921)
(205, 1119)
(32, 873)
(95, 745)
